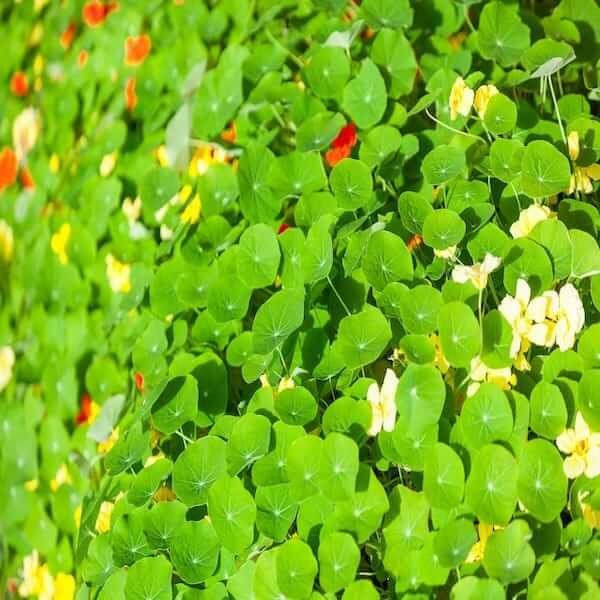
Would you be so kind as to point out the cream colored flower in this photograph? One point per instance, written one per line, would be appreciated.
(104, 517)
(7, 241)
(504, 378)
(192, 211)
(132, 209)
(286, 383)
(529, 218)
(583, 177)
(482, 98)
(62, 477)
(478, 273)
(153, 458)
(383, 404)
(447, 254)
(7, 362)
(118, 275)
(583, 447)
(106, 446)
(515, 311)
(25, 132)
(589, 514)
(64, 587)
(59, 242)
(107, 164)
(166, 233)
(573, 145)
(37, 580)
(461, 99)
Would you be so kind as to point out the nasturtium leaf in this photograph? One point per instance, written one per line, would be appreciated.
(500, 114)
(420, 397)
(379, 145)
(296, 406)
(197, 467)
(317, 133)
(98, 564)
(414, 209)
(277, 319)
(546, 57)
(128, 541)
(149, 578)
(508, 555)
(443, 228)
(362, 337)
(491, 489)
(148, 480)
(471, 588)
(365, 96)
(248, 441)
(392, 52)
(387, 13)
(460, 335)
(258, 257)
(351, 184)
(386, 259)
(529, 261)
(545, 170)
(586, 254)
(542, 484)
(232, 512)
(276, 509)
(553, 235)
(444, 477)
(548, 410)
(339, 557)
(486, 416)
(194, 551)
(339, 466)
(442, 164)
(228, 298)
(588, 400)
(501, 34)
(176, 405)
(296, 568)
(327, 71)
(419, 307)
(304, 460)
(588, 346)
(157, 187)
(454, 541)
(317, 257)
(505, 159)
(361, 589)
(497, 339)
(297, 173)
(161, 523)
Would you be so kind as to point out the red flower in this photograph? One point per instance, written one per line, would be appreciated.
(19, 85)
(85, 410)
(283, 228)
(131, 98)
(95, 12)
(27, 179)
(139, 382)
(137, 49)
(66, 37)
(342, 145)
(8, 168)
(82, 58)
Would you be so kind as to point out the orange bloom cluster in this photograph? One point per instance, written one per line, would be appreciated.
(131, 98)
(67, 36)
(137, 49)
(94, 13)
(342, 145)
(19, 86)
(8, 168)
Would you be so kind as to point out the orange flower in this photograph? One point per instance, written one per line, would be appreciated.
(342, 145)
(19, 85)
(230, 134)
(139, 381)
(131, 98)
(137, 49)
(82, 58)
(414, 242)
(8, 168)
(66, 37)
(27, 179)
(95, 12)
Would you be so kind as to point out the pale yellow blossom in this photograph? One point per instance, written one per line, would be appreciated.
(478, 273)
(482, 98)
(132, 209)
(447, 253)
(382, 401)
(477, 551)
(60, 241)
(590, 515)
(583, 447)
(37, 580)
(7, 241)
(107, 164)
(62, 477)
(77, 516)
(105, 446)
(7, 362)
(32, 485)
(440, 360)
(104, 517)
(118, 275)
(583, 178)
(461, 99)
(504, 378)
(573, 145)
(25, 132)
(192, 211)
(529, 218)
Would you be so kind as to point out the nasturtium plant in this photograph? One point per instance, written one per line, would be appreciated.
(299, 299)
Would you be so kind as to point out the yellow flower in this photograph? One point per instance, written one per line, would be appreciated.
(35, 37)
(583, 447)
(440, 360)
(105, 446)
(153, 458)
(447, 254)
(7, 362)
(529, 218)
(482, 98)
(383, 404)
(504, 378)
(132, 209)
(461, 99)
(515, 311)
(162, 156)
(64, 587)
(118, 275)
(104, 516)
(478, 549)
(38, 5)
(201, 161)
(26, 129)
(573, 145)
(184, 193)
(107, 164)
(192, 211)
(582, 179)
(54, 164)
(7, 241)
(62, 476)
(59, 242)
(164, 494)
(32, 485)
(589, 514)
(77, 516)
(38, 64)
(478, 273)
(286, 383)
(37, 580)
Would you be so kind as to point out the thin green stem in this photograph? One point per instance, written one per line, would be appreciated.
(555, 102)
(338, 295)
(441, 123)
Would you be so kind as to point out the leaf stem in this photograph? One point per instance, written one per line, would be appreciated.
(338, 295)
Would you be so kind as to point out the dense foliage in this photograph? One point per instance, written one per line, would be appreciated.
(299, 299)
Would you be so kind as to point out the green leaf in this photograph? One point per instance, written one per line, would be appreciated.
(545, 170)
(500, 114)
(365, 96)
(460, 335)
(454, 541)
(296, 406)
(296, 569)
(379, 145)
(387, 13)
(297, 173)
(317, 258)
(444, 477)
(258, 202)
(548, 410)
(386, 259)
(339, 557)
(419, 308)
(176, 405)
(529, 261)
(276, 510)
(394, 55)
(258, 257)
(339, 466)
(195, 551)
(327, 71)
(248, 441)
(351, 183)
(586, 254)
(443, 164)
(149, 578)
